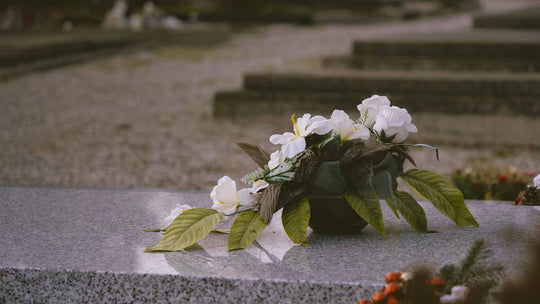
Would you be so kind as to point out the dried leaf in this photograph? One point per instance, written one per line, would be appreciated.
(269, 201)
(256, 153)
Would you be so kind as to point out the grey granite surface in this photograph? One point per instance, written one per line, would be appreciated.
(77, 245)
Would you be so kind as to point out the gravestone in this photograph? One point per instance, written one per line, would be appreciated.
(79, 246)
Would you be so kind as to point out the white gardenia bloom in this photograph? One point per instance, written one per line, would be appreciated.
(346, 128)
(258, 185)
(225, 197)
(537, 181)
(369, 108)
(294, 143)
(176, 212)
(394, 121)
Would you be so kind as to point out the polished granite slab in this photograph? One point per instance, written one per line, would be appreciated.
(80, 245)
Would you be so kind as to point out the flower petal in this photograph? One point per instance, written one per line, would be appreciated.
(224, 191)
(245, 197)
(294, 147)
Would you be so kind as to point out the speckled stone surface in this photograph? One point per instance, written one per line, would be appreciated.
(78, 245)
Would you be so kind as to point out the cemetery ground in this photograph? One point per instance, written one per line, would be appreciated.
(144, 120)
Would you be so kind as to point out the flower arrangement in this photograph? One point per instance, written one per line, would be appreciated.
(491, 182)
(531, 194)
(468, 282)
(355, 161)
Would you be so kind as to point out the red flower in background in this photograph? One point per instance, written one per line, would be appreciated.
(502, 179)
(518, 200)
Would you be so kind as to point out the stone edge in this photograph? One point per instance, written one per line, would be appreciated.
(73, 286)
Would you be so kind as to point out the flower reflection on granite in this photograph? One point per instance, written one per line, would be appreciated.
(210, 256)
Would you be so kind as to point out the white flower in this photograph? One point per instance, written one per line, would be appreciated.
(346, 128)
(225, 197)
(258, 185)
(406, 276)
(279, 165)
(294, 143)
(537, 181)
(369, 109)
(457, 295)
(176, 212)
(394, 121)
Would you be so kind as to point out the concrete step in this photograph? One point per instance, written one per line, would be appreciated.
(28, 48)
(526, 19)
(483, 50)
(324, 90)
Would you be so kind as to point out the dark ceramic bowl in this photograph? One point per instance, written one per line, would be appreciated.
(334, 215)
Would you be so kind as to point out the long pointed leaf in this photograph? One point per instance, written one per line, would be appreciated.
(413, 213)
(247, 226)
(369, 208)
(187, 228)
(446, 198)
(295, 219)
(256, 153)
(392, 204)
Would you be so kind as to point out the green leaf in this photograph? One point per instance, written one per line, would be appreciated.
(295, 219)
(329, 179)
(383, 183)
(369, 208)
(388, 163)
(391, 202)
(187, 228)
(329, 149)
(412, 212)
(446, 198)
(247, 226)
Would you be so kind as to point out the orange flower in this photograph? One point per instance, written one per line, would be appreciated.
(380, 296)
(392, 288)
(393, 277)
(518, 200)
(502, 179)
(437, 283)
(365, 301)
(392, 300)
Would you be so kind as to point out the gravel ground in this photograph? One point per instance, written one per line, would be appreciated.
(144, 120)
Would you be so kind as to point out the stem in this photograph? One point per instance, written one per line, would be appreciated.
(239, 211)
(153, 230)
(420, 145)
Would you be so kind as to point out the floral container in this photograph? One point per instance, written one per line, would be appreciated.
(330, 174)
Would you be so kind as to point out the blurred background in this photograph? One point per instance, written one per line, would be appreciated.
(138, 94)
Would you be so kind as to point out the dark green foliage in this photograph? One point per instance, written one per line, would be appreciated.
(475, 271)
(384, 177)
(531, 196)
(328, 178)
